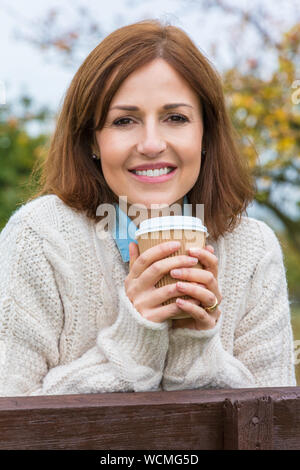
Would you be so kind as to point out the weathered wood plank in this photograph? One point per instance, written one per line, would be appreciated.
(287, 422)
(136, 427)
(154, 420)
(248, 424)
(189, 419)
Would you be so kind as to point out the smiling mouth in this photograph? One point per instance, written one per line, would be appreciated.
(153, 173)
(151, 176)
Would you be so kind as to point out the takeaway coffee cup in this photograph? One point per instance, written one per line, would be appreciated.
(188, 230)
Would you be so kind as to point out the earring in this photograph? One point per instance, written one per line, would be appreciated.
(95, 157)
(203, 152)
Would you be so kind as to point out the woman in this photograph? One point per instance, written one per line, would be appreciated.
(79, 314)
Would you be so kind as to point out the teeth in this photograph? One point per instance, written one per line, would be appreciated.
(161, 171)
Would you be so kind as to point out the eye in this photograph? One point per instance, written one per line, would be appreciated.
(176, 118)
(179, 118)
(120, 122)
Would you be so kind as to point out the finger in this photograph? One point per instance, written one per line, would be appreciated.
(205, 296)
(201, 277)
(163, 313)
(155, 253)
(155, 298)
(154, 273)
(158, 312)
(216, 314)
(133, 253)
(204, 321)
(208, 260)
(210, 248)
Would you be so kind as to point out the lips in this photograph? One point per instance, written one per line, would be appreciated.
(152, 166)
(154, 179)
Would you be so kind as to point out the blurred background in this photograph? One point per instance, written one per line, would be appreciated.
(255, 46)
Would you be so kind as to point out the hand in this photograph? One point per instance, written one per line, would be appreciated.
(145, 271)
(202, 286)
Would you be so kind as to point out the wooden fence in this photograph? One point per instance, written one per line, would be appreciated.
(263, 418)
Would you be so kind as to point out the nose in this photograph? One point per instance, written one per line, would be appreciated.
(152, 142)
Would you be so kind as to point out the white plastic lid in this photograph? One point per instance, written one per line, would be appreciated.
(175, 222)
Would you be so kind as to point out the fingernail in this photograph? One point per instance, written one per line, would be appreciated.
(193, 260)
(195, 250)
(181, 285)
(175, 272)
(174, 245)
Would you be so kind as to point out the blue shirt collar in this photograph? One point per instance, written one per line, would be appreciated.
(125, 229)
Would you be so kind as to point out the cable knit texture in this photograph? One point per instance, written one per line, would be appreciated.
(67, 325)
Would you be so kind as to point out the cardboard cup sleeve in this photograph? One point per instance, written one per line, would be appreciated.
(188, 238)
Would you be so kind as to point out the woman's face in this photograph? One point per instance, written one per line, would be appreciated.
(154, 133)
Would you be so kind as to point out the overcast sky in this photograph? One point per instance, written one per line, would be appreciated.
(24, 68)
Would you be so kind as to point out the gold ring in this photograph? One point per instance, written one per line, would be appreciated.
(213, 307)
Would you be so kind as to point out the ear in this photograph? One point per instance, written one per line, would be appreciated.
(95, 147)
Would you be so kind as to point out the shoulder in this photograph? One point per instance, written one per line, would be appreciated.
(250, 245)
(45, 229)
(43, 214)
(40, 208)
(254, 235)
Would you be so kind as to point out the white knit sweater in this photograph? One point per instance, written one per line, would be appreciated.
(67, 325)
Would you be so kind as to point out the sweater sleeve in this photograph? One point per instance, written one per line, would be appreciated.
(263, 346)
(128, 356)
(31, 313)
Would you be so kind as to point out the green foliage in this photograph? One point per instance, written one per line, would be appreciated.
(295, 311)
(292, 263)
(266, 115)
(18, 152)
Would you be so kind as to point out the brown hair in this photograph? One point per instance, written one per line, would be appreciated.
(224, 185)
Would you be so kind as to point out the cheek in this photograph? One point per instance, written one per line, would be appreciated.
(190, 147)
(193, 152)
(113, 152)
(192, 161)
(113, 138)
(191, 168)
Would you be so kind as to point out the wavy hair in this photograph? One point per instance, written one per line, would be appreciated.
(224, 185)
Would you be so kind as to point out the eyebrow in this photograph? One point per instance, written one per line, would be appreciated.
(135, 108)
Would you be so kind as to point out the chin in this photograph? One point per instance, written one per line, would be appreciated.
(157, 205)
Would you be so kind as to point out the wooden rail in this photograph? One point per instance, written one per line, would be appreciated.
(263, 418)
